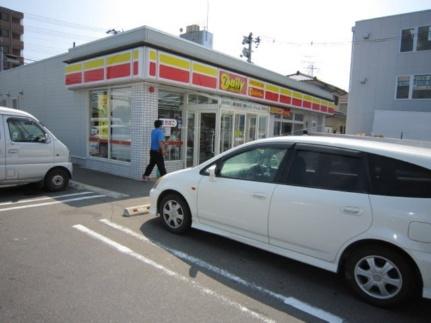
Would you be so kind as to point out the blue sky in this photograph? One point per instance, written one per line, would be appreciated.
(295, 34)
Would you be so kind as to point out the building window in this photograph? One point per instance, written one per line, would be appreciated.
(226, 131)
(14, 103)
(263, 127)
(170, 113)
(16, 20)
(16, 36)
(4, 16)
(407, 38)
(424, 38)
(403, 87)
(289, 124)
(110, 122)
(120, 137)
(4, 33)
(422, 87)
(239, 130)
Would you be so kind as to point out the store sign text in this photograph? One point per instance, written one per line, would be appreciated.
(257, 93)
(232, 83)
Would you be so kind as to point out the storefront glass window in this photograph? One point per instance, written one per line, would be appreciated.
(110, 124)
(226, 131)
(285, 126)
(190, 138)
(239, 129)
(277, 127)
(99, 124)
(263, 126)
(286, 129)
(120, 124)
(299, 117)
(298, 128)
(251, 127)
(201, 99)
(170, 113)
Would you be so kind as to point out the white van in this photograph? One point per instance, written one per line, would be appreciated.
(30, 153)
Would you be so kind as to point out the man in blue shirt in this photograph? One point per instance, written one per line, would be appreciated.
(157, 151)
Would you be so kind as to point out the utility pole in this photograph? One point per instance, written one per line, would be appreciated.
(249, 41)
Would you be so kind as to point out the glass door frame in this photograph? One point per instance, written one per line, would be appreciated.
(197, 110)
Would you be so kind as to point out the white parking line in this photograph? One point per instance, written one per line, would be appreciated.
(291, 301)
(152, 263)
(51, 203)
(44, 198)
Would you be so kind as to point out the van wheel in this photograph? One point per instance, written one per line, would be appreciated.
(56, 180)
(175, 213)
(381, 276)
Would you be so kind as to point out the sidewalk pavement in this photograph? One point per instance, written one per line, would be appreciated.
(110, 182)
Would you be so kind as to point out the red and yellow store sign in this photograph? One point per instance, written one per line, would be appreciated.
(232, 83)
(145, 63)
(118, 66)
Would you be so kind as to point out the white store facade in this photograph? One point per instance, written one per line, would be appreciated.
(101, 100)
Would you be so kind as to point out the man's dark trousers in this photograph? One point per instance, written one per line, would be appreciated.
(156, 158)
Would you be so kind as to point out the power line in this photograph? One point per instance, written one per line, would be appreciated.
(327, 43)
(39, 30)
(60, 22)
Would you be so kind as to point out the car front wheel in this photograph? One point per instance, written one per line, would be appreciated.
(56, 180)
(381, 276)
(175, 213)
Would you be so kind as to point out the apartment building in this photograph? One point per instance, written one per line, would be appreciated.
(11, 38)
(390, 77)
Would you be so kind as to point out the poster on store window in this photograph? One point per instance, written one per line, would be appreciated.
(103, 116)
(167, 126)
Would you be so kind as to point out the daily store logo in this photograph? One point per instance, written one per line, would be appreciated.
(233, 83)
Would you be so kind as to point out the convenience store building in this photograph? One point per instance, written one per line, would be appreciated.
(102, 98)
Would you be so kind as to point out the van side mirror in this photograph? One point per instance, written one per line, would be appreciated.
(42, 139)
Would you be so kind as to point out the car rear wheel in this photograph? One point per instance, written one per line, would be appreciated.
(175, 213)
(56, 180)
(381, 276)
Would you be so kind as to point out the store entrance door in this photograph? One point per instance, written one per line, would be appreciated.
(202, 134)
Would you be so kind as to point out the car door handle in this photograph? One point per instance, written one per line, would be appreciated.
(12, 151)
(259, 196)
(351, 210)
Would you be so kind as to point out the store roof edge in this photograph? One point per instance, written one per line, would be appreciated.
(147, 36)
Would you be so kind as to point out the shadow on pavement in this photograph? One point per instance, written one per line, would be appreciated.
(316, 287)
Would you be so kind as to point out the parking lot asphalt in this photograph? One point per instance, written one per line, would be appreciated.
(72, 256)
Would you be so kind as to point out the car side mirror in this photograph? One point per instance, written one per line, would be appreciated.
(212, 173)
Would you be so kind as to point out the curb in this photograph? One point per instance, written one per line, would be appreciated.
(82, 186)
(136, 210)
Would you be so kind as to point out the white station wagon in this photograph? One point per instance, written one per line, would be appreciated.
(345, 205)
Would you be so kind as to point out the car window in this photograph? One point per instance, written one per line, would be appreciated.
(327, 171)
(259, 164)
(394, 177)
(24, 130)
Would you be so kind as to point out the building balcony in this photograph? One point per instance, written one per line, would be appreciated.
(17, 28)
(18, 44)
